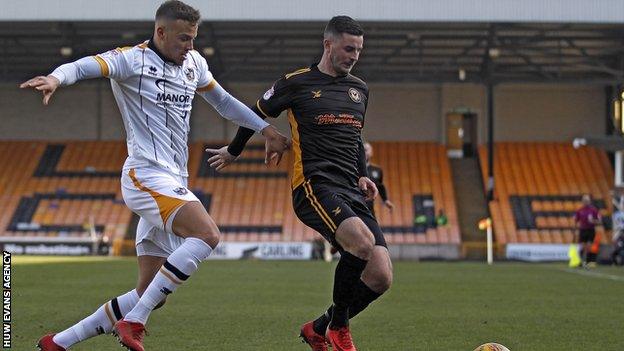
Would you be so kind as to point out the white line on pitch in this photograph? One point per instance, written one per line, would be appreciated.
(592, 274)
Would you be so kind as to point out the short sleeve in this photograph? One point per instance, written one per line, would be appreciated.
(276, 99)
(205, 79)
(117, 64)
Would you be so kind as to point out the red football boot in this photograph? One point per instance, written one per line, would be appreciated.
(47, 344)
(340, 339)
(308, 335)
(130, 334)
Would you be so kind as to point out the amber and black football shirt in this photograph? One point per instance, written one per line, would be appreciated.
(326, 116)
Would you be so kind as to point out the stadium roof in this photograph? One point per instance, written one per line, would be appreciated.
(394, 51)
(540, 11)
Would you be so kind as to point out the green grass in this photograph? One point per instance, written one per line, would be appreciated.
(252, 305)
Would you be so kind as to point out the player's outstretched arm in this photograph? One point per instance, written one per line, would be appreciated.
(275, 145)
(220, 158)
(67, 74)
(226, 155)
(47, 85)
(232, 109)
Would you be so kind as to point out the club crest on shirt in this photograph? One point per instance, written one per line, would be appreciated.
(180, 191)
(269, 93)
(355, 95)
(190, 73)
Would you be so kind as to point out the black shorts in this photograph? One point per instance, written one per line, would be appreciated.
(587, 235)
(371, 207)
(323, 207)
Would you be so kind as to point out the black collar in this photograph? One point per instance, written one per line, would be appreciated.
(151, 45)
(314, 67)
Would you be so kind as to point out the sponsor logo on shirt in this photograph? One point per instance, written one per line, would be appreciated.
(169, 97)
(343, 118)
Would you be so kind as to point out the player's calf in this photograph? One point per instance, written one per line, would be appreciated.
(99, 322)
(378, 274)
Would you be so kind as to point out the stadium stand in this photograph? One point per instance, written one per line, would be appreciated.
(60, 189)
(413, 171)
(539, 187)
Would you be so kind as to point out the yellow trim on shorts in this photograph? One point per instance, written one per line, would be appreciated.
(166, 205)
(318, 208)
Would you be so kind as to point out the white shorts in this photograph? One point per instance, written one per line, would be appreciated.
(156, 196)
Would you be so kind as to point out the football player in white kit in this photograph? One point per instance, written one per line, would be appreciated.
(154, 84)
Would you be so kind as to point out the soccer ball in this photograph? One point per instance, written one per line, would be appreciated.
(491, 346)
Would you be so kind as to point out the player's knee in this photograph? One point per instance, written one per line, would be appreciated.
(385, 282)
(381, 281)
(363, 249)
(210, 235)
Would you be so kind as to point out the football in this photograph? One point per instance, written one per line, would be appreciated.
(491, 346)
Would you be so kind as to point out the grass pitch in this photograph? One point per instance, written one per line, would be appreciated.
(260, 305)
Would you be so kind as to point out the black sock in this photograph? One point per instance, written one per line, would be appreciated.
(363, 297)
(348, 273)
(320, 324)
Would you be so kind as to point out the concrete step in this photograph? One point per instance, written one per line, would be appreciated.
(471, 201)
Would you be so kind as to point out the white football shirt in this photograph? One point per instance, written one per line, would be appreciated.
(155, 98)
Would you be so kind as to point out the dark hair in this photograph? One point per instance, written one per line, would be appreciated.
(177, 10)
(343, 24)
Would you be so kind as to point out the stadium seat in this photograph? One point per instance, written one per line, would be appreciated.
(539, 186)
(60, 185)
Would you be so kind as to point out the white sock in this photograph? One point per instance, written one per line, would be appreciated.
(181, 264)
(100, 322)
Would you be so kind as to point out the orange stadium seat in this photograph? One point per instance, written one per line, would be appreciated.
(249, 201)
(72, 174)
(538, 189)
